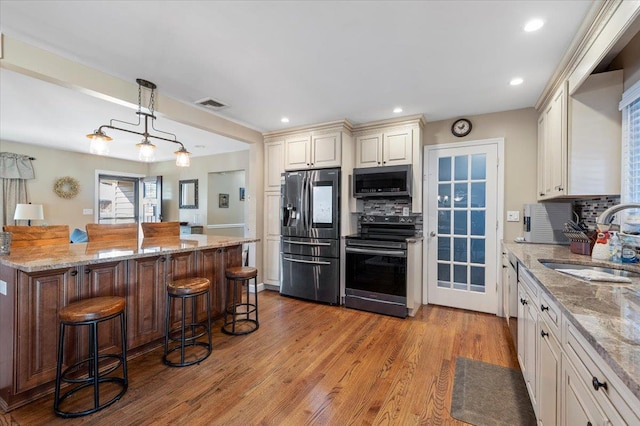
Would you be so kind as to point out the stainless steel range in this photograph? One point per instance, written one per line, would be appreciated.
(376, 265)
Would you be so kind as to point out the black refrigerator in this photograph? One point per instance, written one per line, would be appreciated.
(310, 228)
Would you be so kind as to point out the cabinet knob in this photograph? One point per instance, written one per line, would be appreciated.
(543, 308)
(163, 259)
(589, 424)
(541, 194)
(74, 273)
(597, 384)
(543, 334)
(87, 271)
(524, 301)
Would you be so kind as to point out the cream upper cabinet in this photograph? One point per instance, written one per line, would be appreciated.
(297, 152)
(274, 164)
(272, 239)
(390, 148)
(579, 139)
(369, 150)
(310, 150)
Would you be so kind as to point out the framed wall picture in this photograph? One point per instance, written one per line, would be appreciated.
(241, 194)
(223, 201)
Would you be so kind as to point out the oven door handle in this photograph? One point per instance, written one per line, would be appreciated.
(302, 243)
(313, 262)
(392, 253)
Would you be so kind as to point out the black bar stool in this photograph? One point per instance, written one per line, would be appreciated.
(241, 317)
(189, 333)
(91, 312)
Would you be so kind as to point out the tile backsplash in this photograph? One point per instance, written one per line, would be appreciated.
(386, 206)
(590, 209)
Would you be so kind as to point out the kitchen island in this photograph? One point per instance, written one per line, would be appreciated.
(35, 282)
(597, 327)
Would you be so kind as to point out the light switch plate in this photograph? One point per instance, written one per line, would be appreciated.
(3, 287)
(87, 211)
(513, 215)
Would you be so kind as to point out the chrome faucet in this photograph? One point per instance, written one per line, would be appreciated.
(603, 222)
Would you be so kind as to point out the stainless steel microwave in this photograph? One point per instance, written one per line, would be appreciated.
(387, 181)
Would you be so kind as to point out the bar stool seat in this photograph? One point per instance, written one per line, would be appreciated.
(91, 312)
(189, 333)
(241, 316)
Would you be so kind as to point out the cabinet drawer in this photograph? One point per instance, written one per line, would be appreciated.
(550, 312)
(612, 396)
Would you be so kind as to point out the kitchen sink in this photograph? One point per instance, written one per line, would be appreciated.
(614, 271)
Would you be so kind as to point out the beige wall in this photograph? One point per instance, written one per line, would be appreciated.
(225, 183)
(200, 169)
(51, 164)
(519, 130)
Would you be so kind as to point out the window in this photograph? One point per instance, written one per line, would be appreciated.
(118, 199)
(630, 106)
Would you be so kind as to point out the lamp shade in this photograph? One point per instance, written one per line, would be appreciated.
(29, 212)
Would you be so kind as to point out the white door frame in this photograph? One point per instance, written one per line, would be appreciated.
(499, 142)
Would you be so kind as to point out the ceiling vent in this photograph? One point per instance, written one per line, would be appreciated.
(211, 104)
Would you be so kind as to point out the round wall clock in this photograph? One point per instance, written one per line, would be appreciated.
(461, 127)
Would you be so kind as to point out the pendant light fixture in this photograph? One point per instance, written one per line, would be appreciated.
(100, 140)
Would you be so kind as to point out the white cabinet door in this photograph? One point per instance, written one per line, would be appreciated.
(397, 148)
(272, 214)
(298, 152)
(369, 150)
(549, 376)
(326, 150)
(557, 142)
(522, 317)
(274, 165)
(272, 261)
(530, 351)
(578, 408)
(271, 256)
(542, 167)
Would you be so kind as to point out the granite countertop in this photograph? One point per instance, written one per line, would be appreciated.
(606, 314)
(33, 259)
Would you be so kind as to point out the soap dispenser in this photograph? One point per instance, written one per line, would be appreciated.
(601, 247)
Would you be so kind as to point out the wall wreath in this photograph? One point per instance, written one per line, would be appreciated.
(66, 187)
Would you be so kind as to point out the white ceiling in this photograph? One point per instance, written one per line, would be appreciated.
(311, 61)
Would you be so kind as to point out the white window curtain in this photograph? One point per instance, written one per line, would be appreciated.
(15, 170)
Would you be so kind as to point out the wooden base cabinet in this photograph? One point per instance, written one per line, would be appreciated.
(40, 296)
(29, 325)
(146, 299)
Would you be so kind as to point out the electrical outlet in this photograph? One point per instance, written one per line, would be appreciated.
(3, 287)
(87, 211)
(513, 215)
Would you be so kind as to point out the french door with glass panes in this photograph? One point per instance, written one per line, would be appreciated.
(461, 228)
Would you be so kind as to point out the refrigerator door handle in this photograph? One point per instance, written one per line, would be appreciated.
(305, 243)
(313, 262)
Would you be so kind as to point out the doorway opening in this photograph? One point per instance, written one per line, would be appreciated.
(226, 206)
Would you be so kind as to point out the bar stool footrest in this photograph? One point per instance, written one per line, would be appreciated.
(185, 364)
(66, 414)
(240, 321)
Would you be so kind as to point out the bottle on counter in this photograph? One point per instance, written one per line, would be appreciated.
(615, 248)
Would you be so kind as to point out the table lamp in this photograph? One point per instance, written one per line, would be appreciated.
(29, 212)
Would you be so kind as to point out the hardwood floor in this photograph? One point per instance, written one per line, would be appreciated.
(307, 364)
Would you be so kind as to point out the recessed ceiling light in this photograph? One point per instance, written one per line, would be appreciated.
(284, 119)
(533, 25)
(397, 110)
(516, 81)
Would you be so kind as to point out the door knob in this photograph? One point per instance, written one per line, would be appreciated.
(432, 234)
